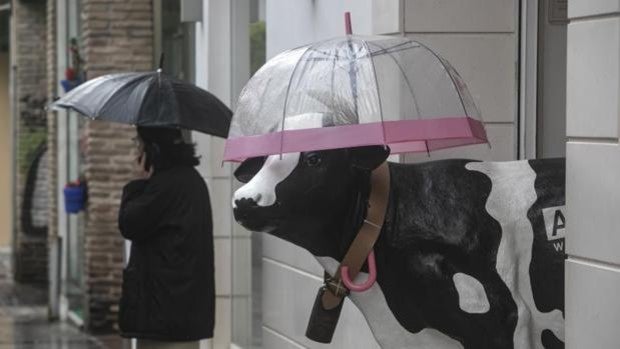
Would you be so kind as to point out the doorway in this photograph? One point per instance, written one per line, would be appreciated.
(551, 81)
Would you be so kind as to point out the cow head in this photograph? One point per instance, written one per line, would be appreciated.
(307, 198)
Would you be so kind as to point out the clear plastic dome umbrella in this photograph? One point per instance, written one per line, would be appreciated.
(354, 91)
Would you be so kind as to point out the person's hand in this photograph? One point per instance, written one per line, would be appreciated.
(142, 173)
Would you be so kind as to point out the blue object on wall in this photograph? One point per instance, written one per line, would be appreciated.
(75, 198)
(69, 85)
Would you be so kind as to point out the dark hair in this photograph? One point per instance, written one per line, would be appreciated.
(165, 148)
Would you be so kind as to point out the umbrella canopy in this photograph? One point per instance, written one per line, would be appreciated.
(149, 99)
(354, 91)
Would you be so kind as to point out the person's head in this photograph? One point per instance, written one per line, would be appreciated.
(165, 148)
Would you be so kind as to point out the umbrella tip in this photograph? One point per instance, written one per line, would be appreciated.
(347, 23)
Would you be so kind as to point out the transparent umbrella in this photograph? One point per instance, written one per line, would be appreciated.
(354, 91)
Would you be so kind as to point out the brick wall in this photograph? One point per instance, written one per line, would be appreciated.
(30, 255)
(117, 36)
(52, 164)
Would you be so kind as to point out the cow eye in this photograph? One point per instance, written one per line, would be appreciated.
(313, 159)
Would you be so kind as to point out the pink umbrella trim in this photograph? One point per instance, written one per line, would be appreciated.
(400, 135)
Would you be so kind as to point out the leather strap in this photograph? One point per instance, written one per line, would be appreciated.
(365, 240)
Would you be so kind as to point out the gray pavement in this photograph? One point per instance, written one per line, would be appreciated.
(24, 322)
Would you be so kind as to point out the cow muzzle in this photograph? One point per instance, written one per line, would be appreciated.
(252, 216)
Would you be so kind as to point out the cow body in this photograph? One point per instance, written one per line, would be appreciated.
(470, 254)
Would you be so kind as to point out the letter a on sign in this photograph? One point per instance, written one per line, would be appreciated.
(554, 222)
(558, 223)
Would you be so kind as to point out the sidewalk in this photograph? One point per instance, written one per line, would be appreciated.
(24, 324)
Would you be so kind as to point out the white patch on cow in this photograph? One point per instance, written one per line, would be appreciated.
(262, 187)
(512, 194)
(388, 332)
(472, 297)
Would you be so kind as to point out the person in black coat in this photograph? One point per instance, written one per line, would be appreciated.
(168, 290)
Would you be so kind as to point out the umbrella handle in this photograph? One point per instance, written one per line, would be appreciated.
(372, 275)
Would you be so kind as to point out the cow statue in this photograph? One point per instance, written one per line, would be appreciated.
(471, 254)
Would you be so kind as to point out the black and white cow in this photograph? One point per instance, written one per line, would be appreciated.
(471, 253)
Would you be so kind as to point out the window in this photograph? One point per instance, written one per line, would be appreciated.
(174, 39)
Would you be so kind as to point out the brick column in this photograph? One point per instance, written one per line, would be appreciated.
(117, 36)
(52, 159)
(30, 245)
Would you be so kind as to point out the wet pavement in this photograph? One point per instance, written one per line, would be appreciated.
(24, 321)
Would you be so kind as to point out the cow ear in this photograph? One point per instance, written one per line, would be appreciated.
(248, 169)
(370, 157)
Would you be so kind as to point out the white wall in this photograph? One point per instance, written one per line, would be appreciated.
(213, 72)
(480, 39)
(292, 23)
(593, 169)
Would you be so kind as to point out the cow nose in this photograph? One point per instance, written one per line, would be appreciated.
(246, 203)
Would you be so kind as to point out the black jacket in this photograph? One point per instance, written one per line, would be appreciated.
(168, 286)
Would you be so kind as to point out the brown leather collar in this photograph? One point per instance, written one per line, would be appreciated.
(365, 240)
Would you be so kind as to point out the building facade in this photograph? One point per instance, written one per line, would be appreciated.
(543, 72)
(87, 250)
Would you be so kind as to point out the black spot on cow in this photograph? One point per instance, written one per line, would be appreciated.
(546, 269)
(437, 226)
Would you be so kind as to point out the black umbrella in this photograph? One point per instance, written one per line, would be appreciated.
(149, 99)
